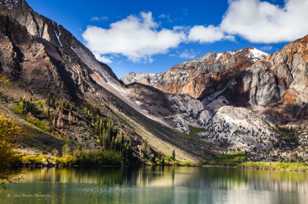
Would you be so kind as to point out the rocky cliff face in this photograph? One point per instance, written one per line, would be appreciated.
(39, 62)
(246, 77)
(54, 85)
(181, 112)
(280, 82)
(197, 76)
(240, 101)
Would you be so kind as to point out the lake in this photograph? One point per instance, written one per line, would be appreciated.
(156, 186)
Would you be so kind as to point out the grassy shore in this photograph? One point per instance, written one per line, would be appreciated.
(83, 159)
(96, 159)
(275, 166)
(111, 158)
(239, 160)
(269, 166)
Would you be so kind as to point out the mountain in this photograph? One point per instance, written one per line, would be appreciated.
(195, 77)
(55, 90)
(244, 100)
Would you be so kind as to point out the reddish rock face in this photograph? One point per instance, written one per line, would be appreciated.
(195, 77)
(247, 77)
(239, 98)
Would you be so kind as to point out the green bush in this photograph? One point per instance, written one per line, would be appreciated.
(34, 160)
(44, 160)
(41, 124)
(32, 111)
(5, 81)
(8, 157)
(35, 107)
(18, 108)
(99, 158)
(8, 131)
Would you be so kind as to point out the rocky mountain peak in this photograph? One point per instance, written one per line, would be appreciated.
(12, 4)
(41, 27)
(237, 98)
(250, 53)
(257, 54)
(195, 76)
(15, 8)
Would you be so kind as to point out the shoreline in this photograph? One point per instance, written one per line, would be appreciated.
(265, 166)
(112, 159)
(260, 165)
(273, 167)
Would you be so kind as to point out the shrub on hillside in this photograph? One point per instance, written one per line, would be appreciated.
(99, 158)
(8, 131)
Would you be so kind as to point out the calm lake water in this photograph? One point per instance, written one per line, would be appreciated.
(157, 186)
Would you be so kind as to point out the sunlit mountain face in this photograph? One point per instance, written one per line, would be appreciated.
(250, 103)
(114, 102)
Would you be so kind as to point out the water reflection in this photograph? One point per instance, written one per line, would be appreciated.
(157, 185)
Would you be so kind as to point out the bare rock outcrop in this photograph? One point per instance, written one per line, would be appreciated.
(240, 129)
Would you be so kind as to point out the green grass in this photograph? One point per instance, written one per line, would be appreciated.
(41, 124)
(239, 160)
(44, 160)
(280, 166)
(228, 159)
(194, 131)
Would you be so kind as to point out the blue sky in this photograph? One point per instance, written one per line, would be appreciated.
(91, 22)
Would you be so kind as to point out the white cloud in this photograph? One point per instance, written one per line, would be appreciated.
(263, 22)
(207, 34)
(257, 21)
(141, 37)
(136, 37)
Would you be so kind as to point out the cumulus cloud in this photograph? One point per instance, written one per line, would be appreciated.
(141, 37)
(203, 34)
(136, 37)
(264, 22)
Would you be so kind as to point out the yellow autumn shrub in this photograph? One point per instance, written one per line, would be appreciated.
(9, 129)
